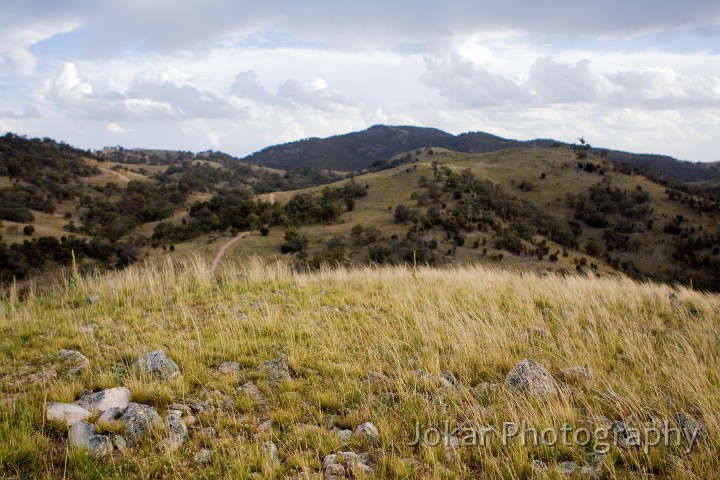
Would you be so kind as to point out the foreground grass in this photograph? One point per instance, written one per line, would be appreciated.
(650, 357)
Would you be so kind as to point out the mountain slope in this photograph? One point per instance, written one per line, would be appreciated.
(360, 150)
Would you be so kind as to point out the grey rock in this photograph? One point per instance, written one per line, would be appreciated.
(566, 468)
(111, 414)
(73, 361)
(67, 413)
(276, 370)
(158, 364)
(270, 452)
(689, 424)
(208, 432)
(106, 399)
(253, 392)
(368, 431)
(343, 435)
(203, 456)
(229, 367)
(531, 378)
(138, 419)
(119, 442)
(450, 378)
(265, 426)
(177, 432)
(82, 435)
(92, 299)
(578, 374)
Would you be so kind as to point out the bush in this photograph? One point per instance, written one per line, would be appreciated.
(28, 230)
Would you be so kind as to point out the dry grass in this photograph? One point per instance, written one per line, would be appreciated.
(335, 326)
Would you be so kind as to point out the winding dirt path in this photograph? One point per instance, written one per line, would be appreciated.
(221, 252)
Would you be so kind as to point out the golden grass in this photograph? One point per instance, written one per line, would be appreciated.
(336, 326)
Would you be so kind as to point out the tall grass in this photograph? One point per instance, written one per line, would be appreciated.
(649, 357)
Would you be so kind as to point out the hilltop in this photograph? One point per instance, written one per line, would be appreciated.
(271, 373)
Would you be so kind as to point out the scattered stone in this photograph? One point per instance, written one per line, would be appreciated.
(67, 413)
(342, 434)
(177, 432)
(203, 456)
(538, 465)
(531, 378)
(208, 432)
(566, 468)
(106, 399)
(74, 361)
(532, 333)
(190, 420)
(578, 374)
(179, 413)
(253, 392)
(265, 426)
(42, 376)
(199, 406)
(158, 364)
(270, 451)
(368, 431)
(138, 419)
(276, 370)
(92, 299)
(485, 389)
(429, 379)
(185, 409)
(338, 465)
(229, 367)
(119, 442)
(450, 378)
(111, 414)
(689, 424)
(82, 435)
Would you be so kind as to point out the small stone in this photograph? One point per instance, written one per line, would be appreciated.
(138, 420)
(111, 414)
(208, 432)
(566, 468)
(253, 392)
(229, 367)
(265, 426)
(67, 413)
(190, 420)
(119, 442)
(177, 432)
(42, 376)
(179, 413)
(276, 370)
(368, 431)
(158, 364)
(689, 424)
(343, 435)
(91, 299)
(334, 470)
(185, 409)
(101, 401)
(578, 374)
(531, 378)
(203, 456)
(538, 465)
(74, 361)
(270, 451)
(82, 435)
(450, 378)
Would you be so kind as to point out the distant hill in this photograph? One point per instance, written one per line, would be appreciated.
(362, 150)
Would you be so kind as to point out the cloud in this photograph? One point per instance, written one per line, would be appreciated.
(556, 82)
(28, 111)
(315, 94)
(113, 127)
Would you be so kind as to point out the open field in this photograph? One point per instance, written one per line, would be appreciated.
(392, 346)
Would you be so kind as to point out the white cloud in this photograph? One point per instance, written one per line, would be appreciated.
(113, 127)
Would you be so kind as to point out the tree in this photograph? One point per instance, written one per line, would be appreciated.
(28, 230)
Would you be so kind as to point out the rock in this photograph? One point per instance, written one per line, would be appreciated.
(431, 380)
(578, 374)
(190, 420)
(338, 465)
(378, 380)
(208, 432)
(92, 299)
(333, 471)
(229, 367)
(138, 419)
(203, 456)
(689, 424)
(270, 451)
(532, 333)
(485, 390)
(368, 431)
(106, 399)
(265, 426)
(538, 466)
(177, 432)
(276, 370)
(67, 413)
(531, 378)
(89, 327)
(450, 378)
(185, 409)
(74, 361)
(111, 414)
(343, 435)
(158, 364)
(119, 442)
(253, 392)
(566, 468)
(42, 376)
(82, 435)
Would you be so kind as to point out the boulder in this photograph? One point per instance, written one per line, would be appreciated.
(82, 435)
(138, 419)
(531, 378)
(104, 400)
(67, 413)
(158, 364)
(73, 361)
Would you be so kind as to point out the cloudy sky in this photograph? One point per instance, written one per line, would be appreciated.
(234, 75)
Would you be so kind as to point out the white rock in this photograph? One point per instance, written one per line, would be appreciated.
(367, 430)
(106, 399)
(67, 413)
(82, 435)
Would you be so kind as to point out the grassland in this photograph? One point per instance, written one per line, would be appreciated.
(354, 340)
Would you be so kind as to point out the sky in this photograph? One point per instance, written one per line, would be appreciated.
(237, 76)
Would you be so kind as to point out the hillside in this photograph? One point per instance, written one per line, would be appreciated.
(272, 373)
(372, 147)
